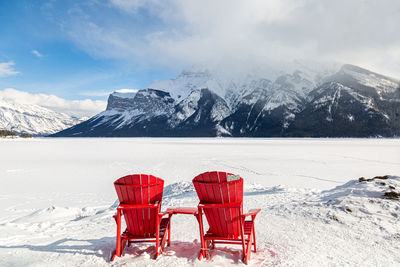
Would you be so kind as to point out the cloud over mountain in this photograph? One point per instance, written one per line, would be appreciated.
(77, 108)
(239, 34)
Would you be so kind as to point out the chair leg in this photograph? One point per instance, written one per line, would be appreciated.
(157, 240)
(118, 251)
(169, 230)
(254, 239)
(203, 252)
(248, 249)
(114, 254)
(123, 244)
(164, 239)
(243, 239)
(156, 254)
(209, 246)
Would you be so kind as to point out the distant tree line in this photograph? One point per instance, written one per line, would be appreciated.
(5, 133)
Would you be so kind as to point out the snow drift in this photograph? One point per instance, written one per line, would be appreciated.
(350, 224)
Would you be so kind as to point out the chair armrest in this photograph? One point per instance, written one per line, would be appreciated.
(136, 206)
(220, 205)
(252, 212)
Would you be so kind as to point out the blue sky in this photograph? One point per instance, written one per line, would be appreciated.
(36, 38)
(85, 49)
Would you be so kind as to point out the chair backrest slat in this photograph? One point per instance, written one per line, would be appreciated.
(214, 187)
(140, 189)
(132, 214)
(218, 213)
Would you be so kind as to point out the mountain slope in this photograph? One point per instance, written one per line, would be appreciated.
(33, 119)
(151, 110)
(351, 102)
(338, 110)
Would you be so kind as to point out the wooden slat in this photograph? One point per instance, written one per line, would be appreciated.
(135, 179)
(222, 212)
(139, 212)
(153, 199)
(222, 176)
(234, 212)
(133, 200)
(228, 212)
(145, 197)
(213, 192)
(130, 218)
(204, 196)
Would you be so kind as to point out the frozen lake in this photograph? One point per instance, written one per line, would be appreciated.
(57, 195)
(77, 167)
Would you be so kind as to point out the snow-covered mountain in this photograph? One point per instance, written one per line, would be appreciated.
(349, 102)
(33, 119)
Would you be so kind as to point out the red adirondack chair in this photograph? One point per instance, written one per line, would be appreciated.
(221, 200)
(140, 198)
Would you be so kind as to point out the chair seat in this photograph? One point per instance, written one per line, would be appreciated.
(163, 227)
(248, 226)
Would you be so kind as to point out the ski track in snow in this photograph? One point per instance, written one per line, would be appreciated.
(369, 160)
(61, 214)
(318, 178)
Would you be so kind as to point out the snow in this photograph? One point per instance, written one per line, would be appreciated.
(383, 85)
(33, 119)
(219, 111)
(221, 131)
(125, 93)
(188, 106)
(350, 117)
(184, 84)
(296, 85)
(57, 199)
(146, 104)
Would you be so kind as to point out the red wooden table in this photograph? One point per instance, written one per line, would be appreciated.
(181, 210)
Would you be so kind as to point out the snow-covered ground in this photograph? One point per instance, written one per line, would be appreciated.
(57, 199)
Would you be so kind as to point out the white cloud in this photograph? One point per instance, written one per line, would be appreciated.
(36, 53)
(106, 93)
(96, 93)
(242, 34)
(6, 69)
(77, 108)
(127, 90)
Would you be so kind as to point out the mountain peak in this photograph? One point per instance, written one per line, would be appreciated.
(358, 71)
(125, 93)
(350, 67)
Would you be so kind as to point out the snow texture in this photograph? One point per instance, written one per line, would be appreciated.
(384, 85)
(33, 119)
(57, 199)
(125, 93)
